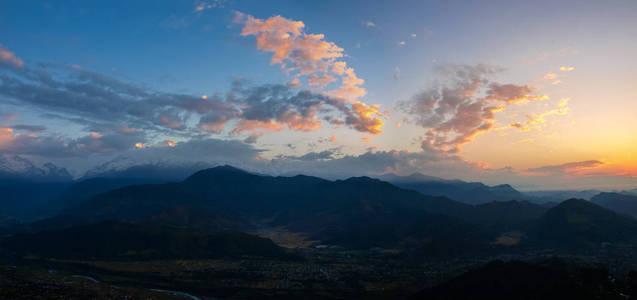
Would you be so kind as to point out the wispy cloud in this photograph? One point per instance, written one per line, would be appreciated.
(455, 113)
(208, 4)
(572, 168)
(8, 58)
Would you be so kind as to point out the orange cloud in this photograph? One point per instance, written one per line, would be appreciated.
(320, 80)
(536, 119)
(169, 123)
(563, 102)
(457, 113)
(366, 120)
(256, 127)
(171, 143)
(6, 136)
(301, 53)
(571, 168)
(333, 138)
(549, 75)
(512, 94)
(567, 69)
(9, 58)
(305, 55)
(128, 130)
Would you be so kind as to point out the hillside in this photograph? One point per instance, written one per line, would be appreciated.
(580, 223)
(623, 203)
(466, 192)
(114, 240)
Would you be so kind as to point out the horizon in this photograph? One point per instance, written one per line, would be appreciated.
(467, 91)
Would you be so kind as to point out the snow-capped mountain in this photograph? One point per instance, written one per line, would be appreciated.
(17, 167)
(125, 167)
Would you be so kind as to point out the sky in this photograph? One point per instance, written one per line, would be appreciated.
(537, 94)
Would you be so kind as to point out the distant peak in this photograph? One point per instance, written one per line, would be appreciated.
(227, 168)
(505, 185)
(361, 179)
(577, 203)
(217, 171)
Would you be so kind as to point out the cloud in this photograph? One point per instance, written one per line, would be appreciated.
(571, 168)
(401, 43)
(536, 119)
(302, 54)
(372, 163)
(457, 111)
(313, 156)
(320, 80)
(566, 69)
(369, 24)
(549, 75)
(309, 56)
(7, 58)
(512, 94)
(51, 146)
(103, 104)
(205, 5)
(31, 128)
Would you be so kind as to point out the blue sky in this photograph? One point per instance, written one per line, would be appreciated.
(197, 48)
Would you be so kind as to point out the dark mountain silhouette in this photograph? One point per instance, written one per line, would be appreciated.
(559, 196)
(580, 223)
(552, 279)
(84, 190)
(622, 203)
(333, 211)
(112, 240)
(238, 192)
(197, 217)
(356, 213)
(25, 188)
(466, 192)
(158, 171)
(509, 215)
(27, 200)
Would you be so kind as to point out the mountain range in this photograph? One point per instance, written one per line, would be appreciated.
(466, 192)
(356, 213)
(229, 227)
(19, 168)
(625, 202)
